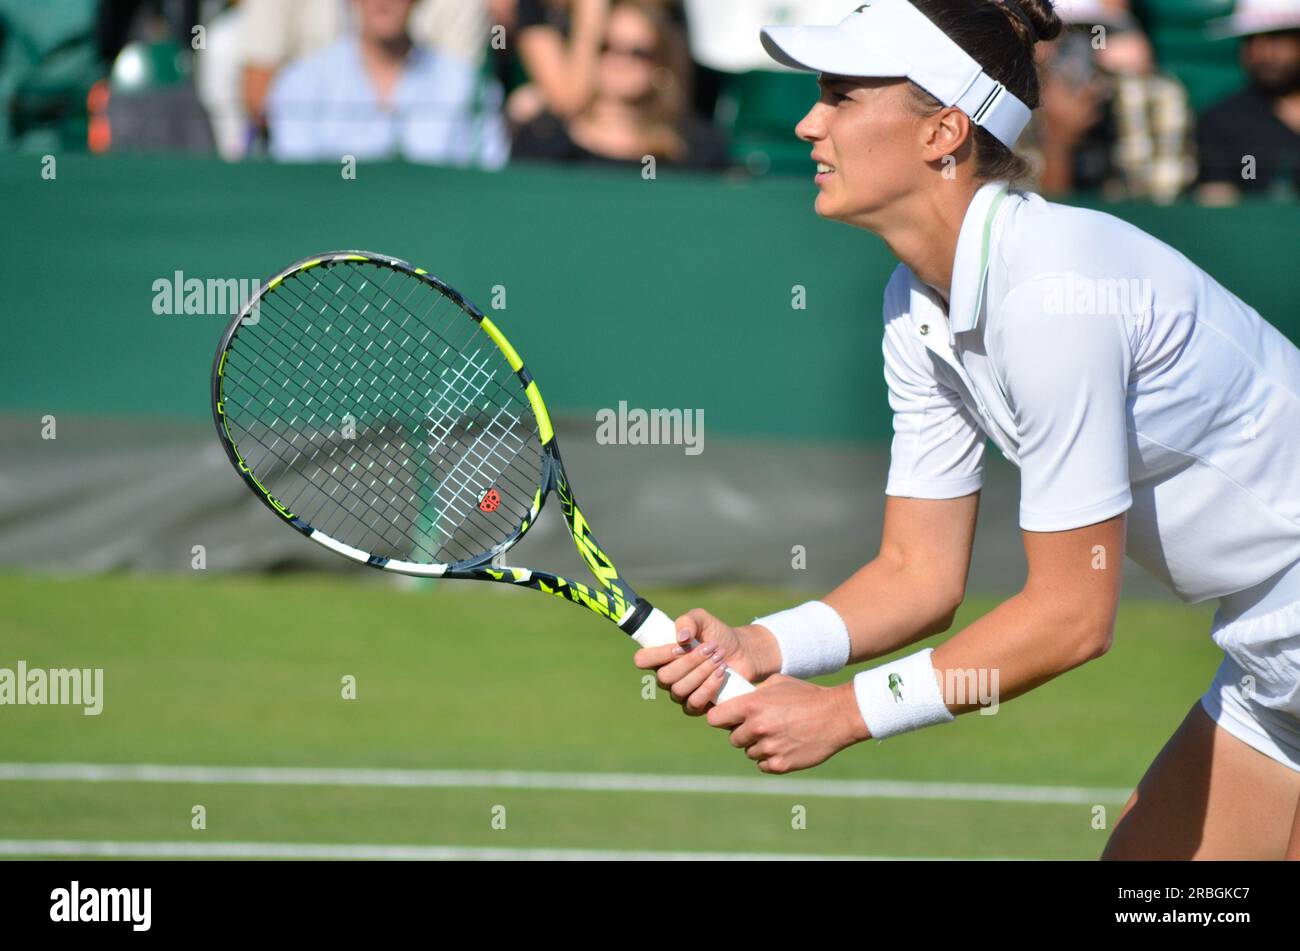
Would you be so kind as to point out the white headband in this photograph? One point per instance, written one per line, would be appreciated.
(888, 38)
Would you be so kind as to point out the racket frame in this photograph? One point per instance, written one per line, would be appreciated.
(614, 599)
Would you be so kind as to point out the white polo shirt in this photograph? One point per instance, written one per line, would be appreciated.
(1117, 375)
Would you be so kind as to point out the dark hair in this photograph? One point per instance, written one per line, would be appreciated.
(1002, 43)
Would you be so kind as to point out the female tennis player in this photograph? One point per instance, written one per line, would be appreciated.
(1144, 404)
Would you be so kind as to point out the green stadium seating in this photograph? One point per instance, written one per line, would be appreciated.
(759, 110)
(1208, 67)
(48, 62)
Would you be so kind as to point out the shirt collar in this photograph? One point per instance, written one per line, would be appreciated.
(970, 267)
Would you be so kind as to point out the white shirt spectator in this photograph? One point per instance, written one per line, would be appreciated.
(278, 31)
(443, 112)
(1117, 375)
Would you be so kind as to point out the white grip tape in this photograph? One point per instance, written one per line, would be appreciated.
(658, 629)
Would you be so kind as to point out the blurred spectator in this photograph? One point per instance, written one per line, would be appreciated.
(640, 104)
(558, 43)
(1109, 121)
(1250, 142)
(380, 94)
(151, 103)
(279, 31)
(120, 20)
(218, 67)
(724, 34)
(725, 45)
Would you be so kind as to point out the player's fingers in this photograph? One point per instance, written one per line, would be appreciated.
(707, 693)
(760, 750)
(703, 625)
(687, 684)
(648, 658)
(730, 714)
(688, 627)
(743, 737)
(682, 665)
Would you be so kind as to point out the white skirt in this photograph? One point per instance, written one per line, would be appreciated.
(1255, 694)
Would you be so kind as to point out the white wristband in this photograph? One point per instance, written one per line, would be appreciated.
(812, 638)
(900, 696)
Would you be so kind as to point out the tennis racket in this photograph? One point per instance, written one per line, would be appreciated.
(381, 414)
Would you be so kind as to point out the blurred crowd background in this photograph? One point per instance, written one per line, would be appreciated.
(1141, 99)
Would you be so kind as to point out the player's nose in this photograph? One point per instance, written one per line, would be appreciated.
(812, 127)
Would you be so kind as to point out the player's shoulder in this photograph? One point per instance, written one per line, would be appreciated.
(1039, 238)
(1032, 219)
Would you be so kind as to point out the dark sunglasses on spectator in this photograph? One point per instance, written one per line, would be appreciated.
(639, 52)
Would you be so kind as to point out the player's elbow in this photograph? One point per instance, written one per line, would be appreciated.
(1091, 639)
(944, 614)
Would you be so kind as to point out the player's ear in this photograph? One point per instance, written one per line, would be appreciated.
(946, 133)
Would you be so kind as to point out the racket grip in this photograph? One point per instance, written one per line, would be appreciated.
(658, 629)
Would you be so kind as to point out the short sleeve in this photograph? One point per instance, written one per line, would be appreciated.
(938, 449)
(1066, 377)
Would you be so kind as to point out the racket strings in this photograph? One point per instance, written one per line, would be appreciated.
(351, 374)
(450, 529)
(462, 493)
(351, 508)
(440, 418)
(354, 364)
(318, 443)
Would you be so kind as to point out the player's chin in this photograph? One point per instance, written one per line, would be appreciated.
(826, 205)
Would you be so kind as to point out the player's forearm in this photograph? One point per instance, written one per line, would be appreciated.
(1011, 650)
(886, 606)
(882, 607)
(1021, 644)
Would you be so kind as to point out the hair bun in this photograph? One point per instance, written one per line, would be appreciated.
(1037, 17)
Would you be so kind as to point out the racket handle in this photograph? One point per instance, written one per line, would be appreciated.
(658, 629)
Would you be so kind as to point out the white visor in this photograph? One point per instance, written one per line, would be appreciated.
(887, 38)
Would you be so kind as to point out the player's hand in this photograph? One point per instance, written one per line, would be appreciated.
(694, 675)
(790, 724)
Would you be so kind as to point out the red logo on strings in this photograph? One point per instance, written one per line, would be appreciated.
(490, 502)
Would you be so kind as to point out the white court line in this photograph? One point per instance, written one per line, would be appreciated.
(568, 782)
(275, 850)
